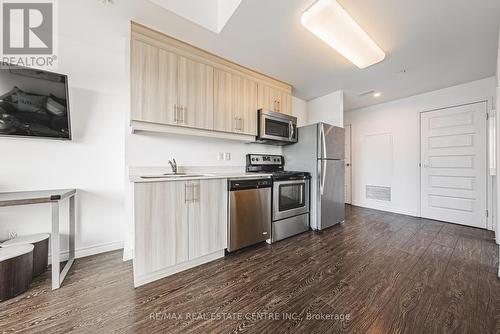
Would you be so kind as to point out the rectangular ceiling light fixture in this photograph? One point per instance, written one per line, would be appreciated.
(328, 20)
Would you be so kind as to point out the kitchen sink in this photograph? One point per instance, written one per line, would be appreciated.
(174, 176)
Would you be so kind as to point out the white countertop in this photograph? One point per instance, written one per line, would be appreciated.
(136, 174)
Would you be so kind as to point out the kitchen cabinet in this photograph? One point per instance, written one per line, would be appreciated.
(178, 222)
(274, 99)
(178, 88)
(196, 93)
(235, 103)
(207, 217)
(161, 226)
(286, 103)
(153, 84)
(170, 89)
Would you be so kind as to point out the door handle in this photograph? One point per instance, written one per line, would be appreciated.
(186, 186)
(290, 129)
(176, 113)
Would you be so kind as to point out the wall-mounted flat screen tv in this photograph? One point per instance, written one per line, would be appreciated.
(33, 103)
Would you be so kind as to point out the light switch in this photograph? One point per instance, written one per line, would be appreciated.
(227, 156)
(220, 156)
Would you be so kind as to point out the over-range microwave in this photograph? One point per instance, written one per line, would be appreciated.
(275, 128)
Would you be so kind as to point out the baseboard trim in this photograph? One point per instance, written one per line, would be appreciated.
(91, 250)
(128, 254)
(162, 273)
(386, 208)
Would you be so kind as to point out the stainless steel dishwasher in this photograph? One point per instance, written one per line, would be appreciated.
(249, 212)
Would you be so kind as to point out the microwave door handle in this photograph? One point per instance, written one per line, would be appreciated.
(290, 129)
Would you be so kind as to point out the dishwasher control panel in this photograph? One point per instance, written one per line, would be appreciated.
(243, 184)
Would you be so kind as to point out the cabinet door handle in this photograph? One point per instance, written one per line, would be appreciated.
(193, 191)
(238, 124)
(279, 105)
(176, 111)
(186, 186)
(184, 109)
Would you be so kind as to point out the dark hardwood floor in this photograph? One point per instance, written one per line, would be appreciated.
(376, 273)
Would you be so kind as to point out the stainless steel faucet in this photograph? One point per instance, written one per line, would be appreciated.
(173, 164)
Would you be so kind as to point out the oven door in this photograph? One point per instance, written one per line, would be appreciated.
(277, 127)
(290, 198)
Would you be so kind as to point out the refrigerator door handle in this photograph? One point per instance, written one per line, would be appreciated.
(323, 142)
(323, 176)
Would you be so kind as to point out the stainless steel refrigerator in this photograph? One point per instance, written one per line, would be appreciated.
(320, 151)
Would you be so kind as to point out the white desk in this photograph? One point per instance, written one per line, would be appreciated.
(54, 197)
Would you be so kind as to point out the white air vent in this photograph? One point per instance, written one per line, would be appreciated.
(378, 193)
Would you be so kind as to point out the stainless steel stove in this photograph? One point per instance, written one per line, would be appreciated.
(290, 195)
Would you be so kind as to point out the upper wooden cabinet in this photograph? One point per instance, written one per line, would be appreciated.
(176, 84)
(274, 99)
(196, 94)
(153, 83)
(235, 103)
(170, 89)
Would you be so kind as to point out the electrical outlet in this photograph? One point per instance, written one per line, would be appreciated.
(227, 156)
(12, 235)
(220, 156)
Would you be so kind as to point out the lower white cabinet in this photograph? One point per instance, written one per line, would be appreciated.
(178, 224)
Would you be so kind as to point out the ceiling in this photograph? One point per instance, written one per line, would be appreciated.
(210, 14)
(429, 45)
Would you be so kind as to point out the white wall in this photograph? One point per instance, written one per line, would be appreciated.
(328, 109)
(92, 55)
(299, 110)
(400, 119)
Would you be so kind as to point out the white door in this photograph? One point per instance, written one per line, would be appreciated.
(453, 160)
(348, 164)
